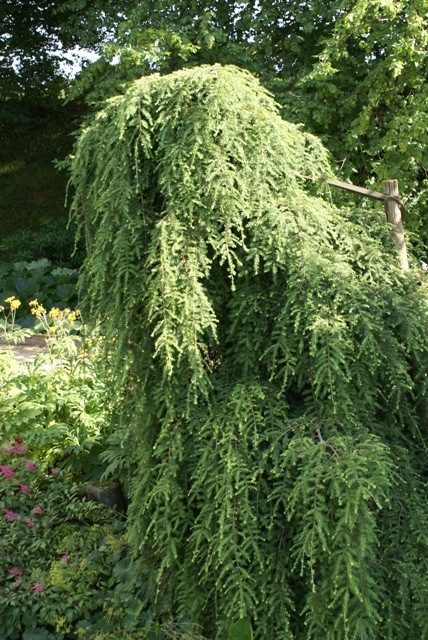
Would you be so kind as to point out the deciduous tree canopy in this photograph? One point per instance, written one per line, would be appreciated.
(270, 361)
(354, 72)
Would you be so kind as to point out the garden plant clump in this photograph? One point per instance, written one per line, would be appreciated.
(10, 330)
(269, 360)
(58, 401)
(54, 286)
(58, 551)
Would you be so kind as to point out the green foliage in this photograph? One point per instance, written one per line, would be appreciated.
(58, 552)
(269, 356)
(27, 50)
(241, 630)
(52, 240)
(40, 279)
(353, 72)
(366, 94)
(58, 404)
(34, 32)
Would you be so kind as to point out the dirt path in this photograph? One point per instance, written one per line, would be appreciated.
(25, 351)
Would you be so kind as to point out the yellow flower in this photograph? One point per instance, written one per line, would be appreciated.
(38, 310)
(52, 329)
(13, 302)
(34, 303)
(54, 312)
(71, 316)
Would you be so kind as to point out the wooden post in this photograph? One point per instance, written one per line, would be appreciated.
(393, 215)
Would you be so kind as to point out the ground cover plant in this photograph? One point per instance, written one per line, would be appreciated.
(38, 279)
(58, 551)
(270, 356)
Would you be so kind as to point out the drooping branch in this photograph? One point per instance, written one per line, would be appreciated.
(270, 356)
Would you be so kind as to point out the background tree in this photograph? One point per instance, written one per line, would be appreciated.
(366, 94)
(270, 362)
(37, 44)
(29, 37)
(355, 73)
(36, 36)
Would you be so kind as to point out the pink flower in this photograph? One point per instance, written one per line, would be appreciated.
(7, 471)
(30, 465)
(37, 511)
(10, 515)
(64, 558)
(54, 470)
(24, 488)
(38, 587)
(17, 449)
(29, 522)
(15, 571)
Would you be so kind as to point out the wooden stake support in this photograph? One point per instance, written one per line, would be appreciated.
(393, 208)
(393, 215)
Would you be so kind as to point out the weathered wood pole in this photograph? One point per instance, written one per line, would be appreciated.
(393, 215)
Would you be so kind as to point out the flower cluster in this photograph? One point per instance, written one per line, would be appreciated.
(17, 448)
(8, 327)
(10, 331)
(53, 553)
(8, 473)
(37, 309)
(13, 303)
(56, 320)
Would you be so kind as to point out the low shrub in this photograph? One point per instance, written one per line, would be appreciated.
(58, 402)
(58, 552)
(59, 412)
(65, 562)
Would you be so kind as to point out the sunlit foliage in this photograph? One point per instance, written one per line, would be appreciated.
(270, 361)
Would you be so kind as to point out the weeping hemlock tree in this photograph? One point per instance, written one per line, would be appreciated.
(270, 358)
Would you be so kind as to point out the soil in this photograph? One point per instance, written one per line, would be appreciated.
(25, 351)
